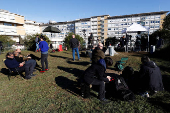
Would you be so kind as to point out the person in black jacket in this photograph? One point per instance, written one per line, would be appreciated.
(150, 76)
(98, 53)
(95, 75)
(74, 43)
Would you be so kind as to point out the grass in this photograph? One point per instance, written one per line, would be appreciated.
(58, 89)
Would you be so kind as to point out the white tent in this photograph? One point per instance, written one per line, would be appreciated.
(134, 28)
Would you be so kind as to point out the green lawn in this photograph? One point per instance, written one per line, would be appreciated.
(58, 89)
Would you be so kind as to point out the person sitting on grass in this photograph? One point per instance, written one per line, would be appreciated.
(13, 65)
(20, 59)
(95, 75)
(30, 57)
(150, 78)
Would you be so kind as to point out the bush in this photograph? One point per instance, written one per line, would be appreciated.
(69, 37)
(29, 41)
(7, 41)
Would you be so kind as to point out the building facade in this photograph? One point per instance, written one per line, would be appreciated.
(151, 20)
(101, 27)
(31, 27)
(11, 25)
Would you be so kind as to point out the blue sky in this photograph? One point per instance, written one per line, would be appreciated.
(68, 10)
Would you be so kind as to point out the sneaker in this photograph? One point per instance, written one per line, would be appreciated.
(32, 75)
(46, 69)
(73, 60)
(42, 71)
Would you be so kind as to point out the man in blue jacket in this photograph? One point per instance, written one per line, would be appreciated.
(12, 64)
(44, 54)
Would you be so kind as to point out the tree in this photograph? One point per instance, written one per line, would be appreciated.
(69, 37)
(29, 41)
(6, 40)
(166, 23)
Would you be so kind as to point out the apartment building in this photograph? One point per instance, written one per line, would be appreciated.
(11, 25)
(31, 27)
(83, 28)
(153, 20)
(99, 27)
(102, 26)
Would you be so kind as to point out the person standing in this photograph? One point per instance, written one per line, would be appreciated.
(74, 43)
(37, 43)
(43, 45)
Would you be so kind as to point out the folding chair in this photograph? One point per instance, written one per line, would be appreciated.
(120, 64)
(15, 73)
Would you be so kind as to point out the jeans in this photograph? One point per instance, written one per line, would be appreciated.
(73, 53)
(44, 59)
(32, 62)
(28, 68)
(101, 88)
(37, 47)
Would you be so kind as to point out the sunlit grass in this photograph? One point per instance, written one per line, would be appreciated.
(58, 90)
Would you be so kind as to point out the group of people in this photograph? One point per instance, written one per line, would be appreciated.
(149, 76)
(17, 62)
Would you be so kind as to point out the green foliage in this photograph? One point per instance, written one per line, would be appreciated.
(161, 33)
(29, 40)
(6, 40)
(112, 40)
(166, 23)
(69, 37)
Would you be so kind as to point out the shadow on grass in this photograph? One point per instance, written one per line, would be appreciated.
(4, 71)
(58, 56)
(166, 83)
(68, 85)
(158, 101)
(66, 52)
(79, 63)
(75, 71)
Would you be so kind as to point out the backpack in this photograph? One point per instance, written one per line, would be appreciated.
(128, 74)
(121, 89)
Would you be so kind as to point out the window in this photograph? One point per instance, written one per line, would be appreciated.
(7, 24)
(124, 19)
(109, 28)
(129, 19)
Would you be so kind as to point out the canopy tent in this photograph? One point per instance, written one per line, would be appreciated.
(51, 29)
(134, 28)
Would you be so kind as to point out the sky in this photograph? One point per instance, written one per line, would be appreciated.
(69, 10)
